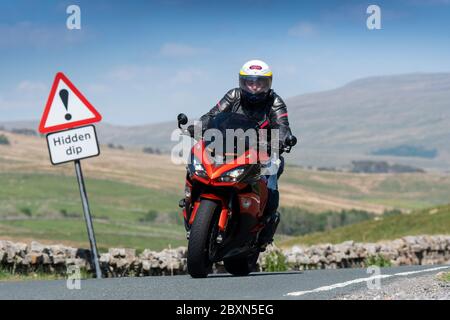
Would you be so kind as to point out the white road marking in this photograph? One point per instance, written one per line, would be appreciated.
(347, 283)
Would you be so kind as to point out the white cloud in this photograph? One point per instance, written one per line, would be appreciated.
(124, 73)
(24, 100)
(29, 34)
(285, 69)
(188, 76)
(431, 2)
(143, 77)
(303, 29)
(97, 88)
(31, 87)
(22, 33)
(146, 88)
(175, 50)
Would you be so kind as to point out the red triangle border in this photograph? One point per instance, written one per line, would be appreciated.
(61, 76)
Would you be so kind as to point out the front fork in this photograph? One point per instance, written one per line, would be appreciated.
(190, 210)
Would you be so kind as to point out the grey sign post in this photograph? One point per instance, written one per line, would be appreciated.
(88, 218)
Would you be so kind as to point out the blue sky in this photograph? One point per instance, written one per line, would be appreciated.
(145, 61)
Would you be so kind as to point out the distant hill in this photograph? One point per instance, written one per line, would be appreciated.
(349, 123)
(155, 135)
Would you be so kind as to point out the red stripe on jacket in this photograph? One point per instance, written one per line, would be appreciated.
(265, 123)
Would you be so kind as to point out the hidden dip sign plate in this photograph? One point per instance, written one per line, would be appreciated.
(73, 144)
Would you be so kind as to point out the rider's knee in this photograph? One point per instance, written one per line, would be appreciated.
(274, 200)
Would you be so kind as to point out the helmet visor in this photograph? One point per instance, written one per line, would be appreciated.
(255, 84)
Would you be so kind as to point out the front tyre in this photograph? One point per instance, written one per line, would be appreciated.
(200, 239)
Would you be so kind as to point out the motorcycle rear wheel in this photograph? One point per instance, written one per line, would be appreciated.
(201, 235)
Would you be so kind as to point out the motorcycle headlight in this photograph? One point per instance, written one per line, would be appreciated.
(232, 175)
(196, 167)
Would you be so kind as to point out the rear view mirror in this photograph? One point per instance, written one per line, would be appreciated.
(182, 120)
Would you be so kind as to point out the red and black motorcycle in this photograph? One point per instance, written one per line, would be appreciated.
(224, 201)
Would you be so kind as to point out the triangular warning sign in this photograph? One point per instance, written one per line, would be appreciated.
(66, 107)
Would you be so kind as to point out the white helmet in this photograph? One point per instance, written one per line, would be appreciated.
(255, 80)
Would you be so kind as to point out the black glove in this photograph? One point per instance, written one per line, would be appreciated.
(281, 146)
(190, 129)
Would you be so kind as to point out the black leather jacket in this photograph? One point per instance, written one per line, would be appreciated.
(270, 114)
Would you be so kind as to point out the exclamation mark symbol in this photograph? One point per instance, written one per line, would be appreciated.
(64, 95)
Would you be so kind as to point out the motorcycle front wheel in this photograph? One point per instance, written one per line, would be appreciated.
(202, 239)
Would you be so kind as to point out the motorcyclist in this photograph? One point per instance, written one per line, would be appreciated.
(255, 99)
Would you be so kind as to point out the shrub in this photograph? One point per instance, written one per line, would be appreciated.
(377, 260)
(4, 140)
(275, 261)
(67, 214)
(113, 146)
(391, 213)
(151, 150)
(150, 216)
(26, 211)
(25, 132)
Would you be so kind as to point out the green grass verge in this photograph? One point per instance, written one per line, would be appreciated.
(445, 277)
(9, 275)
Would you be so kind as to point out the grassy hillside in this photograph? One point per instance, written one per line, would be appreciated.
(47, 207)
(426, 221)
(40, 201)
(404, 191)
(40, 195)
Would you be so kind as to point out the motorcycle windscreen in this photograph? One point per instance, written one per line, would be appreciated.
(230, 135)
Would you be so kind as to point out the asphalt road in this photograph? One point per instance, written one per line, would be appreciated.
(314, 284)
